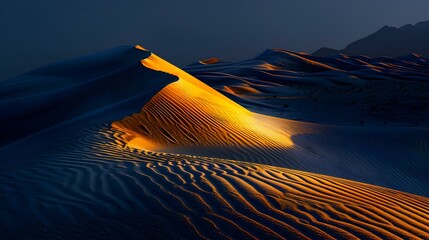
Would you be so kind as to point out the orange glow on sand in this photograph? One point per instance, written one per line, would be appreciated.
(210, 61)
(190, 113)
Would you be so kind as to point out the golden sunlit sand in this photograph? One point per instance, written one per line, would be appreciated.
(188, 113)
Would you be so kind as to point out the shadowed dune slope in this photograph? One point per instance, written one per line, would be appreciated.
(107, 85)
(93, 186)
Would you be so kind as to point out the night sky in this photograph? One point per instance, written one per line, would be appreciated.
(36, 33)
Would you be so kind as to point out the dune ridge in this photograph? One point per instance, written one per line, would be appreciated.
(112, 79)
(189, 113)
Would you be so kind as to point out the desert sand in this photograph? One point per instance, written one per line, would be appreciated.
(136, 148)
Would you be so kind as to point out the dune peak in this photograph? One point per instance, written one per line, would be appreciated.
(140, 48)
(189, 114)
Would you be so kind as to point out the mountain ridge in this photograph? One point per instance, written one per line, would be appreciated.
(387, 41)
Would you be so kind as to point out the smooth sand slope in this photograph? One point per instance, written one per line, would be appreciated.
(153, 174)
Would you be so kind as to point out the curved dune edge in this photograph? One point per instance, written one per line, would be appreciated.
(190, 114)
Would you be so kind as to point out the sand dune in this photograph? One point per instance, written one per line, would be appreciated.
(139, 148)
(188, 113)
(112, 81)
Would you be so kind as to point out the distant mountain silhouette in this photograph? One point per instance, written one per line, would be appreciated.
(388, 41)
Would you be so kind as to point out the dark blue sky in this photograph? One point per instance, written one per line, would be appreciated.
(36, 33)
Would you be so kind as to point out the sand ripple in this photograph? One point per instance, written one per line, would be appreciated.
(96, 187)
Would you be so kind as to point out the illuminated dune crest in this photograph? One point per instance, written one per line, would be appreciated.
(189, 113)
